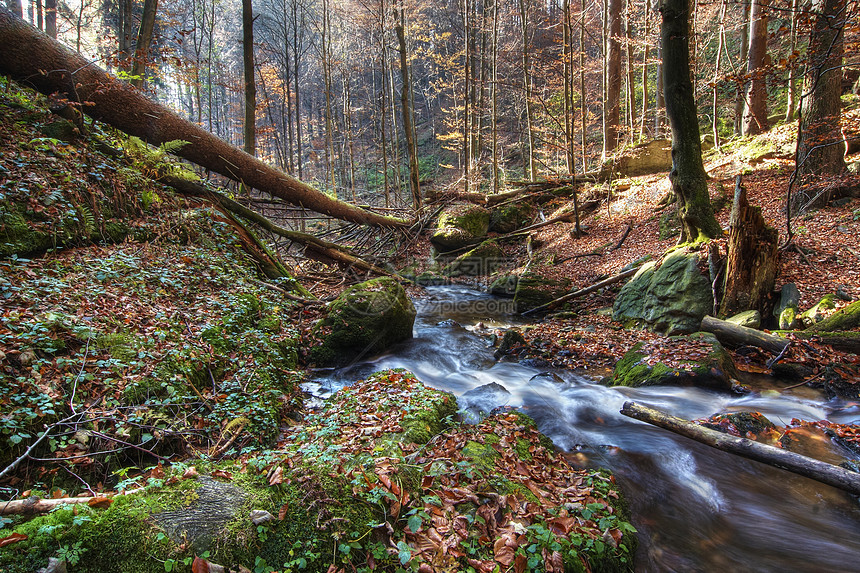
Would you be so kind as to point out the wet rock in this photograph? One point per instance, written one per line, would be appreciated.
(693, 360)
(478, 403)
(364, 320)
(460, 226)
(511, 339)
(671, 298)
(752, 425)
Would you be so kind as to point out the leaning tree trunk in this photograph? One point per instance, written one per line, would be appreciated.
(31, 57)
(753, 257)
(689, 180)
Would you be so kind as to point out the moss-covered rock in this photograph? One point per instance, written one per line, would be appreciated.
(670, 297)
(504, 285)
(747, 318)
(818, 312)
(509, 218)
(481, 261)
(697, 359)
(786, 311)
(847, 318)
(460, 226)
(365, 319)
(534, 290)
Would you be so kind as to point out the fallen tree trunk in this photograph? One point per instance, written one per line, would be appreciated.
(584, 291)
(315, 248)
(31, 57)
(814, 469)
(734, 335)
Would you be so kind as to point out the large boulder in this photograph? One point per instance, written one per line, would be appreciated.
(654, 156)
(509, 218)
(460, 226)
(534, 290)
(697, 359)
(670, 297)
(483, 260)
(364, 320)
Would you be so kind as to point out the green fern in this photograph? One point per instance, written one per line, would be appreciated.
(87, 219)
(156, 160)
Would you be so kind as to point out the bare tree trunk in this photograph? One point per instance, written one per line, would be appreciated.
(755, 107)
(250, 131)
(645, 49)
(689, 180)
(613, 77)
(27, 51)
(144, 41)
(51, 18)
(743, 58)
(406, 106)
(820, 149)
(495, 96)
(467, 71)
(791, 96)
(631, 76)
(582, 92)
(721, 41)
(527, 88)
(125, 30)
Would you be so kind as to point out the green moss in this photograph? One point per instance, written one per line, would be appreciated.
(534, 290)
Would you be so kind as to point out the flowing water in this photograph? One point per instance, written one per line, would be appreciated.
(696, 508)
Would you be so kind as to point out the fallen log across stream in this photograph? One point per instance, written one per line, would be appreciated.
(808, 467)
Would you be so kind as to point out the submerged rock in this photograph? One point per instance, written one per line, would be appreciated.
(693, 360)
(477, 403)
(364, 320)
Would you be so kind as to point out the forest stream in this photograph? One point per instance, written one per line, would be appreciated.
(695, 508)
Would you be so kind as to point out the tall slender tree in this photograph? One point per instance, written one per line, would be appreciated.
(755, 101)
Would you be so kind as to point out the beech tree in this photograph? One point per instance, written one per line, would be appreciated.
(689, 180)
(755, 100)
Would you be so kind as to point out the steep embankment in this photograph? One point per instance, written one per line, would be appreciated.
(150, 398)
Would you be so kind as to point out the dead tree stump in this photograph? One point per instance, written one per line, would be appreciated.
(753, 257)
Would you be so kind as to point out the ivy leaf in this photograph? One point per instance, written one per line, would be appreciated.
(404, 553)
(414, 523)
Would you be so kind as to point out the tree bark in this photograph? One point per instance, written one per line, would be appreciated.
(250, 127)
(755, 104)
(51, 18)
(820, 151)
(613, 78)
(753, 257)
(823, 472)
(688, 177)
(26, 52)
(406, 107)
(529, 167)
(144, 41)
(734, 335)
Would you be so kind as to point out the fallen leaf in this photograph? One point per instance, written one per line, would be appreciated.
(14, 538)
(100, 502)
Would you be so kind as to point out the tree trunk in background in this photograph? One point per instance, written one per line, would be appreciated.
(715, 110)
(126, 23)
(51, 18)
(250, 131)
(631, 75)
(753, 258)
(755, 105)
(16, 7)
(406, 106)
(689, 180)
(659, 96)
(495, 96)
(529, 165)
(26, 51)
(144, 41)
(741, 82)
(820, 150)
(613, 77)
(582, 99)
(791, 96)
(645, 48)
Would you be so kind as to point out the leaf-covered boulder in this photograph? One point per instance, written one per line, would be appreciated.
(460, 226)
(364, 320)
(670, 297)
(697, 359)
